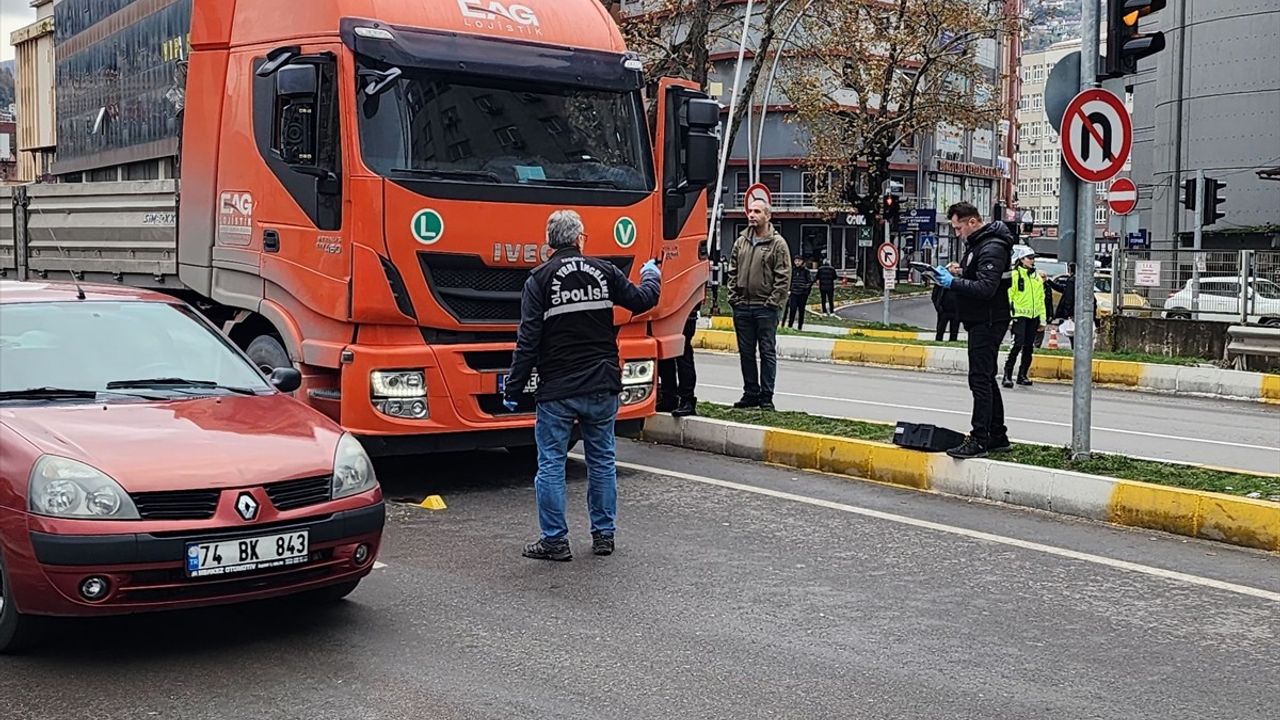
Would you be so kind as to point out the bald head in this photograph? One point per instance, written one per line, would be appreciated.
(758, 215)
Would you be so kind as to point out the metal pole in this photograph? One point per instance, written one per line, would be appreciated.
(713, 233)
(886, 278)
(1246, 260)
(773, 72)
(1196, 254)
(1082, 371)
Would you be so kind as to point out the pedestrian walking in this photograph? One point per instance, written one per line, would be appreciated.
(677, 377)
(981, 284)
(1027, 304)
(759, 279)
(826, 278)
(948, 309)
(801, 286)
(567, 333)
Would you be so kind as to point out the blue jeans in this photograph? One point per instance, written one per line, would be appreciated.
(595, 414)
(757, 326)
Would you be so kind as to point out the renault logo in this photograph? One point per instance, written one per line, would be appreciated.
(247, 507)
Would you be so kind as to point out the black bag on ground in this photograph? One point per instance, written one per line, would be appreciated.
(929, 438)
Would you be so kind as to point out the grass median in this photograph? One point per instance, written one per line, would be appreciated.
(1190, 477)
(844, 295)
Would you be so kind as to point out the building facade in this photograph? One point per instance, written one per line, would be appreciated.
(35, 106)
(1210, 101)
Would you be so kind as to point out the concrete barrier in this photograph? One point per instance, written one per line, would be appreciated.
(1234, 384)
(1192, 513)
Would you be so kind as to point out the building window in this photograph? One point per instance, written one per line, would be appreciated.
(771, 180)
(1100, 215)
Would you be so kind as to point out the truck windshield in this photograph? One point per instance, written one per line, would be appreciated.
(476, 130)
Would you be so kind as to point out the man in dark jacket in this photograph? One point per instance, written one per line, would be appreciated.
(944, 302)
(827, 287)
(567, 332)
(759, 281)
(982, 292)
(798, 301)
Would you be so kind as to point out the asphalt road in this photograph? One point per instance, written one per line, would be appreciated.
(917, 311)
(739, 591)
(1167, 427)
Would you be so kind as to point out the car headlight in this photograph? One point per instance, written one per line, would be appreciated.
(352, 469)
(66, 488)
(637, 372)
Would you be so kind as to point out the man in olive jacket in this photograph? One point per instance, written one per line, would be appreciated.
(759, 280)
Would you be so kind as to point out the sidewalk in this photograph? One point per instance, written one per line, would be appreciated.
(1213, 382)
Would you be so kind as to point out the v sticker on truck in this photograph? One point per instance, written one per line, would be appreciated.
(624, 232)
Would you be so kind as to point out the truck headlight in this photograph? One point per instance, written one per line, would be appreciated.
(637, 372)
(636, 394)
(352, 469)
(399, 393)
(62, 487)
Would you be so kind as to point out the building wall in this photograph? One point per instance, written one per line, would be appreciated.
(1227, 105)
(33, 76)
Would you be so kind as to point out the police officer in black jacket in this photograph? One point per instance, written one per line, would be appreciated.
(826, 278)
(567, 333)
(982, 292)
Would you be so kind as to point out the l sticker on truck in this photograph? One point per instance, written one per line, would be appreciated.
(427, 227)
(624, 232)
(235, 218)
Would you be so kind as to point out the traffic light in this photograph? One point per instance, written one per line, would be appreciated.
(1189, 193)
(892, 207)
(1214, 197)
(1125, 45)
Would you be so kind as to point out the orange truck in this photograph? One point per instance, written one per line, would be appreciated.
(361, 187)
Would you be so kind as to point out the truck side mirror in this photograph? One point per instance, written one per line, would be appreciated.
(297, 97)
(702, 141)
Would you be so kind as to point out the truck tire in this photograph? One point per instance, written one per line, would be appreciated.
(17, 631)
(268, 353)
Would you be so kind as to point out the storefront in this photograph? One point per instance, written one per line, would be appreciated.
(951, 182)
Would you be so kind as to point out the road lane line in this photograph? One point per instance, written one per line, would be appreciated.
(1031, 421)
(963, 532)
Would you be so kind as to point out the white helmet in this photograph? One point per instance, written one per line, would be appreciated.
(1022, 251)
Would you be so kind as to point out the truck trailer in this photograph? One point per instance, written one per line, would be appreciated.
(359, 189)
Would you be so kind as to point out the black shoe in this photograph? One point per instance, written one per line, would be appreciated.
(544, 550)
(602, 544)
(1024, 382)
(971, 448)
(685, 408)
(666, 405)
(766, 403)
(999, 445)
(747, 402)
(1008, 382)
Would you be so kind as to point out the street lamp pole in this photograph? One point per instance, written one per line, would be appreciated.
(713, 233)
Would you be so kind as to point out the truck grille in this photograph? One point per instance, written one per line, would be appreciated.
(177, 505)
(473, 292)
(300, 493)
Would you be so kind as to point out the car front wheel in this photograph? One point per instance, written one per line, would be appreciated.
(16, 630)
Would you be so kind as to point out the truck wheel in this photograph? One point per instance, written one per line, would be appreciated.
(267, 352)
(16, 630)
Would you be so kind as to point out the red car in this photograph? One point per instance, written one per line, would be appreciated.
(147, 464)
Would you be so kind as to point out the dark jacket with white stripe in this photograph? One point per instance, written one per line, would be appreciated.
(982, 289)
(566, 325)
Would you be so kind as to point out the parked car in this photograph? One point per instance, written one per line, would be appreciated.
(149, 465)
(1220, 300)
(1102, 288)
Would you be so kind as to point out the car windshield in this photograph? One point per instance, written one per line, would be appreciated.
(1102, 283)
(110, 346)
(1267, 289)
(474, 130)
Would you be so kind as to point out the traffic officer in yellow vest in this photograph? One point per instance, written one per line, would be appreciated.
(1026, 300)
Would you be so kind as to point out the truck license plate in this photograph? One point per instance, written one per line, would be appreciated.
(530, 387)
(224, 557)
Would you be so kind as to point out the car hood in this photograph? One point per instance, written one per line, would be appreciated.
(206, 442)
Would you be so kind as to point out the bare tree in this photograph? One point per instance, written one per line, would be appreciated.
(875, 74)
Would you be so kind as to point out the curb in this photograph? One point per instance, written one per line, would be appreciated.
(721, 322)
(1215, 382)
(1191, 513)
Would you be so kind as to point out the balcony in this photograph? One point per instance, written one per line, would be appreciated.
(783, 202)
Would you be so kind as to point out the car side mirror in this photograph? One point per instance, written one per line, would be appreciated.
(286, 379)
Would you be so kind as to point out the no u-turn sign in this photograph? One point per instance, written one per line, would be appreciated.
(1097, 135)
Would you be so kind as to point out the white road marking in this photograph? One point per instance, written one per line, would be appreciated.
(1031, 421)
(377, 565)
(965, 532)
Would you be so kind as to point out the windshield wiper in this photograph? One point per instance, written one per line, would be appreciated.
(177, 382)
(568, 182)
(457, 174)
(48, 393)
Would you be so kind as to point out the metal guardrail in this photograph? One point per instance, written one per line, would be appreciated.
(1245, 341)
